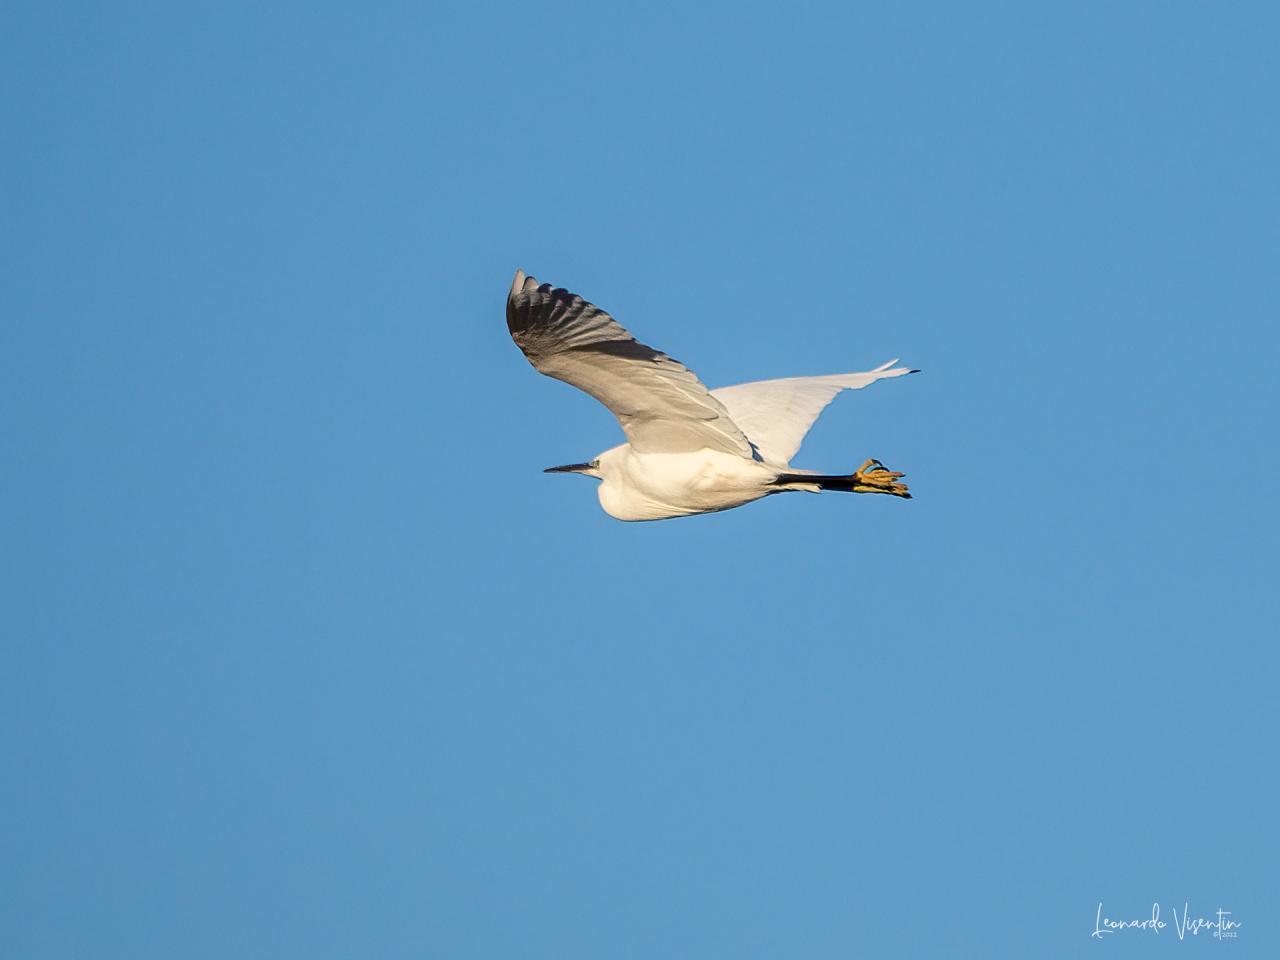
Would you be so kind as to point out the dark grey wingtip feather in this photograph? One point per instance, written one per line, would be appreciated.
(531, 304)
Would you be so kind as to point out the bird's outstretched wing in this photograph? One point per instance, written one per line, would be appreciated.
(662, 406)
(776, 414)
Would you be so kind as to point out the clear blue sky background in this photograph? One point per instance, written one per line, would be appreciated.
(303, 655)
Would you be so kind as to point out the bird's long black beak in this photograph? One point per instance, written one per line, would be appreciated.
(569, 468)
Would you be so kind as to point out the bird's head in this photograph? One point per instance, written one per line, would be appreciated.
(591, 469)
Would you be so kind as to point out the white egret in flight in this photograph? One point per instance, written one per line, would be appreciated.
(689, 449)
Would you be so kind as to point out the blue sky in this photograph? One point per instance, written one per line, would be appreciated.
(304, 656)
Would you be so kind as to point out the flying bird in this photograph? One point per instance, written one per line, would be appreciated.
(689, 449)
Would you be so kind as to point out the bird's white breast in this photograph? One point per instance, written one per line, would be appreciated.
(654, 486)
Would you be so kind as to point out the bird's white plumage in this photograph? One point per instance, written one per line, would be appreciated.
(660, 403)
(776, 414)
(689, 449)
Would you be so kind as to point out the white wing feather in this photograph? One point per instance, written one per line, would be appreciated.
(660, 403)
(776, 414)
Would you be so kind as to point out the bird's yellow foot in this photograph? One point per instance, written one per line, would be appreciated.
(872, 477)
